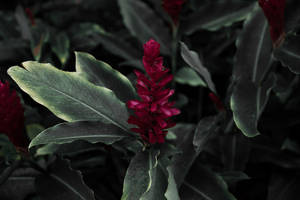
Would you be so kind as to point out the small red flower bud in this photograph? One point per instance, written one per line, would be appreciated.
(173, 8)
(153, 111)
(12, 116)
(218, 103)
(274, 12)
(30, 16)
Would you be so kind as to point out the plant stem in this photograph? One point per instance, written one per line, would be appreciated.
(174, 50)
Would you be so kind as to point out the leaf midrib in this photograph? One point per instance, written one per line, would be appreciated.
(67, 186)
(83, 103)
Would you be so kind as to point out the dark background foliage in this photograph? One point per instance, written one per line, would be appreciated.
(265, 167)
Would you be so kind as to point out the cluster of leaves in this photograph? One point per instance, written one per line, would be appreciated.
(82, 146)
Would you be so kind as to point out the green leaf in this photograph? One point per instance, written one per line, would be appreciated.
(289, 53)
(205, 129)
(143, 23)
(254, 48)
(291, 145)
(171, 192)
(19, 185)
(291, 15)
(143, 178)
(284, 187)
(61, 46)
(33, 130)
(101, 74)
(234, 176)
(158, 182)
(235, 151)
(192, 142)
(193, 60)
(247, 104)
(89, 35)
(188, 76)
(201, 183)
(69, 96)
(252, 65)
(62, 182)
(80, 130)
(23, 23)
(182, 162)
(40, 36)
(216, 15)
(7, 149)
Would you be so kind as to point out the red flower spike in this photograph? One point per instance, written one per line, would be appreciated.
(12, 117)
(153, 111)
(173, 8)
(30, 16)
(216, 101)
(274, 12)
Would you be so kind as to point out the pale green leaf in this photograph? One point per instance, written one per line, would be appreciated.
(102, 74)
(90, 131)
(68, 95)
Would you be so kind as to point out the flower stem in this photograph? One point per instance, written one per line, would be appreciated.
(174, 50)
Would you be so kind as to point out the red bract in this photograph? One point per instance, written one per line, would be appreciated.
(12, 116)
(153, 111)
(30, 16)
(216, 101)
(173, 8)
(274, 12)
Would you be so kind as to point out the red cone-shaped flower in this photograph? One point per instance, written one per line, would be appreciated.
(12, 116)
(274, 12)
(173, 8)
(153, 111)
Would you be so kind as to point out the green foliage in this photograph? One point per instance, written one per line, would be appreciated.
(214, 15)
(68, 95)
(251, 82)
(101, 74)
(193, 60)
(64, 179)
(144, 24)
(80, 130)
(188, 76)
(289, 53)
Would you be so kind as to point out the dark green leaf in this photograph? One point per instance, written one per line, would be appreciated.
(61, 47)
(284, 187)
(188, 76)
(201, 183)
(7, 149)
(193, 60)
(216, 15)
(235, 151)
(62, 182)
(33, 130)
(68, 95)
(80, 130)
(89, 35)
(291, 15)
(253, 61)
(23, 22)
(248, 102)
(143, 23)
(289, 53)
(40, 36)
(101, 74)
(143, 178)
(234, 176)
(19, 185)
(204, 130)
